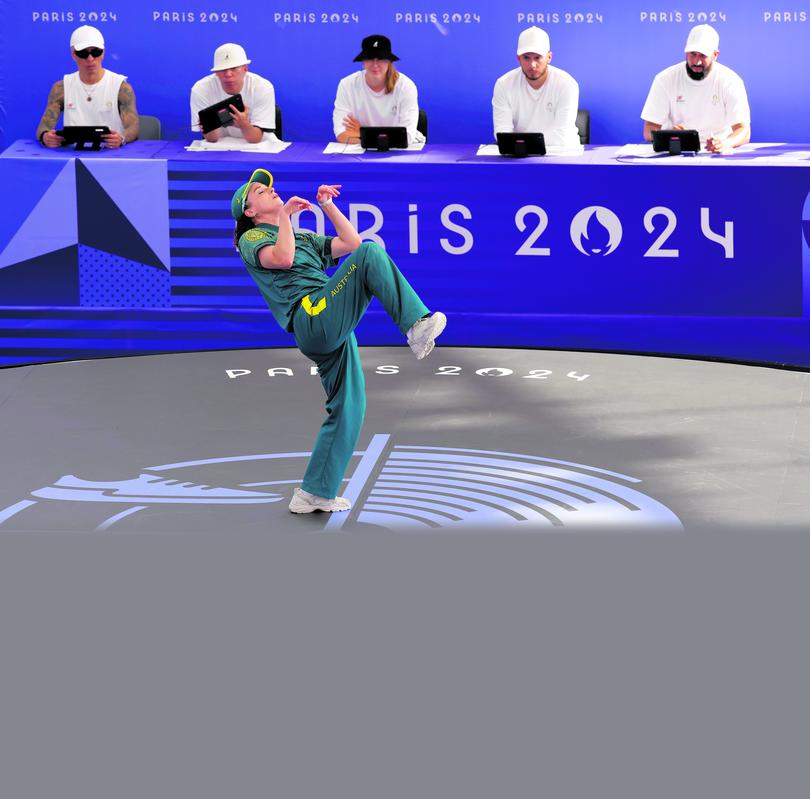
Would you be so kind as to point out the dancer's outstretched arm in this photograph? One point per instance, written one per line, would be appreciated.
(281, 254)
(347, 238)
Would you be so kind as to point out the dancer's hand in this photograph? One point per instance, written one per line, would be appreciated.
(326, 193)
(296, 204)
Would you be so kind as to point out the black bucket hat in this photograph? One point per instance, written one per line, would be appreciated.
(376, 47)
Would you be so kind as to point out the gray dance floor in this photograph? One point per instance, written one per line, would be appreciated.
(468, 440)
(554, 580)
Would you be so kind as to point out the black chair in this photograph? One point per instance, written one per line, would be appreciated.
(421, 125)
(584, 126)
(277, 129)
(149, 127)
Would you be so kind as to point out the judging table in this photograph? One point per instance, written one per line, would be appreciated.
(705, 255)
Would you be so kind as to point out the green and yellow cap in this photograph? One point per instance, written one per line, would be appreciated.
(240, 195)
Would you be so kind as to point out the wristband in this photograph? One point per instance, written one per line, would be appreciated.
(328, 202)
(42, 136)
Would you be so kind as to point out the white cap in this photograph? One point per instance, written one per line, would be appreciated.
(703, 39)
(533, 40)
(227, 56)
(86, 36)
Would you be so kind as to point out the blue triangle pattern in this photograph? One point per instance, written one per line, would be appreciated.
(107, 280)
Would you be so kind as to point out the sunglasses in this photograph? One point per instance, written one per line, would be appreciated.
(89, 51)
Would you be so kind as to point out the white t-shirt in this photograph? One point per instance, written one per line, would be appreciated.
(258, 95)
(550, 110)
(710, 106)
(400, 108)
(101, 108)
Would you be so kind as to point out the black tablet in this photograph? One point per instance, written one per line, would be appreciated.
(521, 144)
(676, 142)
(85, 137)
(219, 114)
(383, 138)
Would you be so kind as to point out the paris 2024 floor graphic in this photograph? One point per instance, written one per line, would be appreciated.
(467, 441)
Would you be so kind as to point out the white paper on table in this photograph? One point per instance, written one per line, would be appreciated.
(637, 151)
(761, 151)
(646, 150)
(231, 144)
(760, 145)
(339, 148)
(560, 151)
(552, 150)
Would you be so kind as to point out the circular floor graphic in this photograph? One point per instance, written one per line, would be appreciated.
(468, 440)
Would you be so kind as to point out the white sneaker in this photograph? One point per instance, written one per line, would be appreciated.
(422, 336)
(304, 502)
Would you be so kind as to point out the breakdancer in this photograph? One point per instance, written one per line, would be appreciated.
(322, 313)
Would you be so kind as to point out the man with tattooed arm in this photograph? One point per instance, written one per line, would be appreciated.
(91, 96)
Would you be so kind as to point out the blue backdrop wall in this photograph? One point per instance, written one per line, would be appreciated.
(454, 51)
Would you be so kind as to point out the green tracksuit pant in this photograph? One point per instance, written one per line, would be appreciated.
(324, 330)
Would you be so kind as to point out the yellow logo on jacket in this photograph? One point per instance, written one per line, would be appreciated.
(313, 310)
(254, 234)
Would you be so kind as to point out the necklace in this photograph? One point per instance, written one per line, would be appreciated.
(89, 92)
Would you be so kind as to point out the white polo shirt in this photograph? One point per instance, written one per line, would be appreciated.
(258, 95)
(711, 106)
(550, 110)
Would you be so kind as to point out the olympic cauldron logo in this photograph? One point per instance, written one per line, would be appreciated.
(596, 230)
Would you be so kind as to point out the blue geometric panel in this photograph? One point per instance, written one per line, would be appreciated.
(48, 202)
(110, 281)
(49, 279)
(139, 187)
(104, 226)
